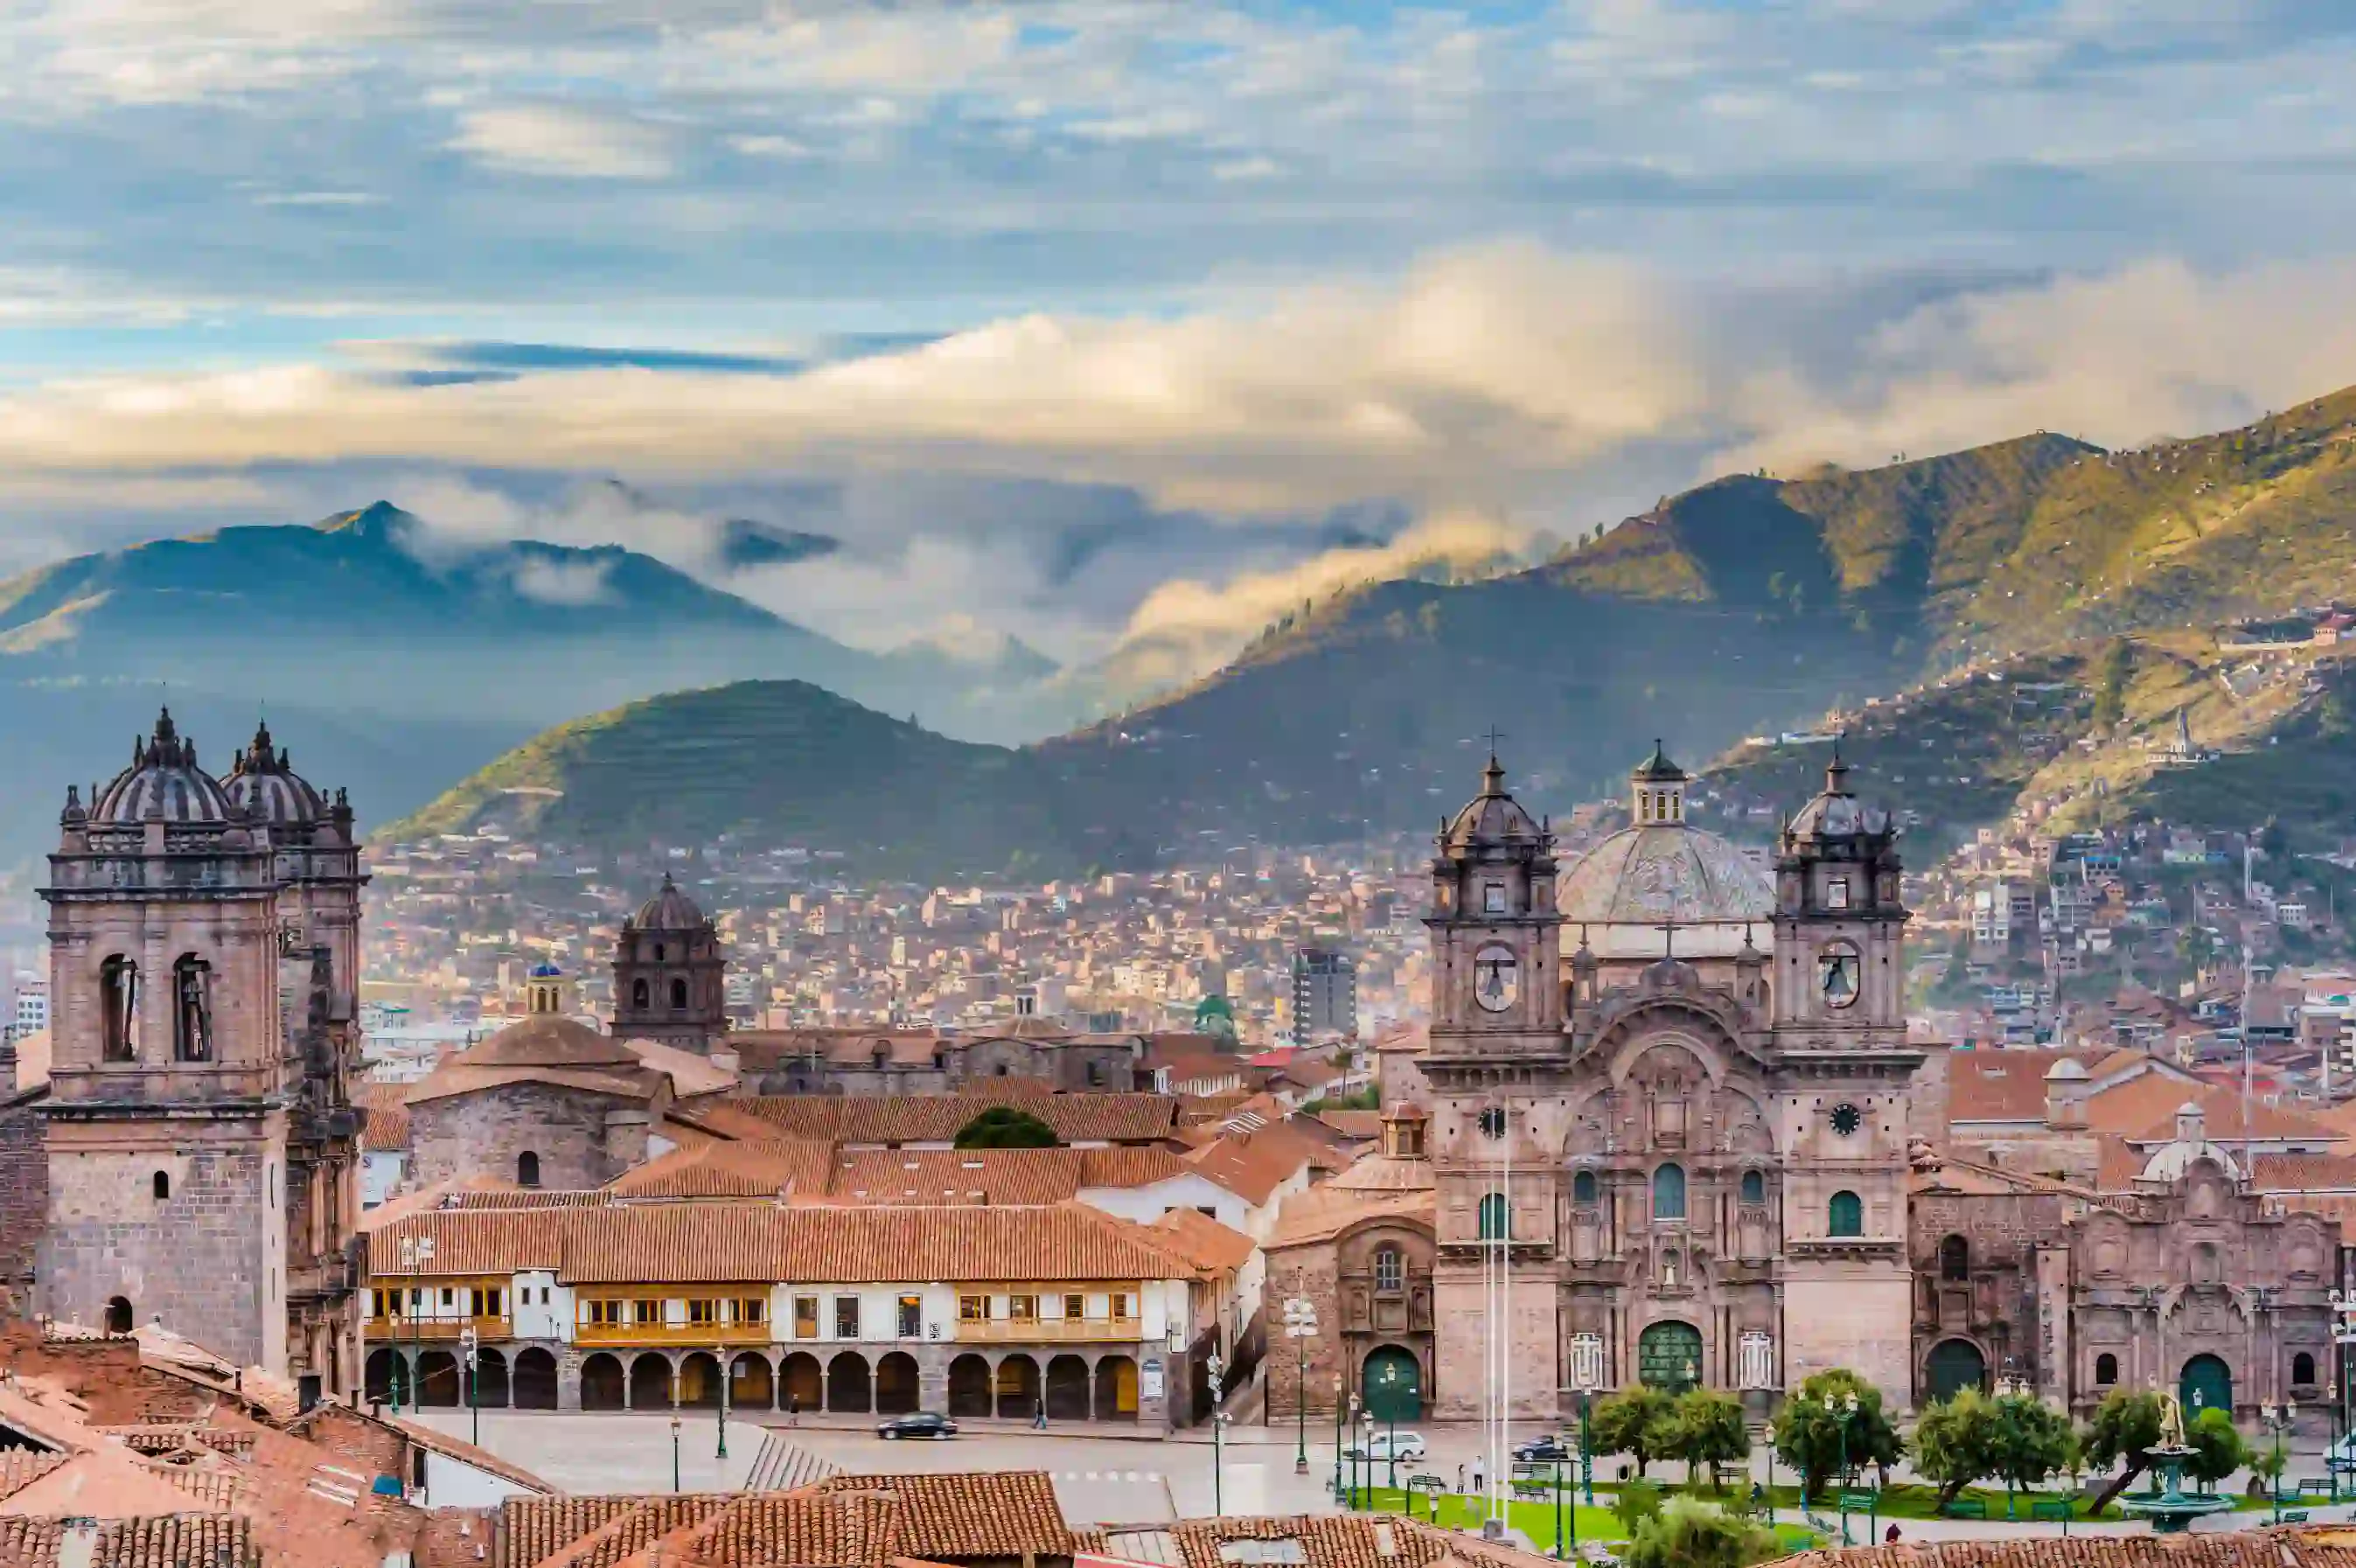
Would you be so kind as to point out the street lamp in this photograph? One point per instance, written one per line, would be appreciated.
(2277, 1422)
(1216, 1367)
(468, 1342)
(1300, 1326)
(1845, 1407)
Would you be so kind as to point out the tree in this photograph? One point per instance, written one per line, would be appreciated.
(1639, 1420)
(1689, 1533)
(1808, 1431)
(1638, 1501)
(1955, 1443)
(2125, 1428)
(2217, 1449)
(1005, 1127)
(2032, 1441)
(1706, 1427)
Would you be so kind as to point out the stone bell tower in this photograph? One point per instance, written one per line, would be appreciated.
(1496, 1050)
(171, 1079)
(1843, 1090)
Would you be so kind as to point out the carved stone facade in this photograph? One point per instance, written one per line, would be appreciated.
(201, 1149)
(1667, 1172)
(2191, 1281)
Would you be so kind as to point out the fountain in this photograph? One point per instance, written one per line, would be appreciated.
(2170, 1509)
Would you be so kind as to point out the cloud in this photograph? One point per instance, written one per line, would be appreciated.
(562, 142)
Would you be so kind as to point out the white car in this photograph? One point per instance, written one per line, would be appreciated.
(1388, 1445)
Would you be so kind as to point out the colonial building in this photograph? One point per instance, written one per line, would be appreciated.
(579, 1304)
(201, 1144)
(1678, 1169)
(2188, 1279)
(669, 975)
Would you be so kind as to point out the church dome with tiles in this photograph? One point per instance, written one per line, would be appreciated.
(1661, 871)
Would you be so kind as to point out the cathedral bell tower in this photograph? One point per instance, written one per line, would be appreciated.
(1495, 941)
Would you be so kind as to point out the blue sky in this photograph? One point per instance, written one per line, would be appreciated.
(1226, 303)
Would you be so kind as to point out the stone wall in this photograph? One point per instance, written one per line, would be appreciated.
(483, 1132)
(196, 1259)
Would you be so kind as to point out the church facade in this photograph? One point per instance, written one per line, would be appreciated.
(1648, 1166)
(200, 1150)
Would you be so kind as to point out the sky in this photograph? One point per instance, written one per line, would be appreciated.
(1120, 327)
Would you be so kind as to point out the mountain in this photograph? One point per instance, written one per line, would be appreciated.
(779, 762)
(1746, 605)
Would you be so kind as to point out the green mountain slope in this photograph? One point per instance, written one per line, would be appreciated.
(778, 762)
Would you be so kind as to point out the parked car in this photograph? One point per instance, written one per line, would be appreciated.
(1549, 1449)
(924, 1424)
(1388, 1445)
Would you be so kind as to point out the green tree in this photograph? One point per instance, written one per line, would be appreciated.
(1638, 1501)
(2217, 1448)
(2125, 1428)
(1006, 1127)
(1955, 1443)
(1708, 1428)
(1809, 1429)
(1690, 1533)
(1640, 1421)
(2032, 1441)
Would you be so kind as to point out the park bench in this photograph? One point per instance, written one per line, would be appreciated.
(1967, 1507)
(2051, 1508)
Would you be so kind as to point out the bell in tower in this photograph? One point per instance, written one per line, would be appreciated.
(1495, 947)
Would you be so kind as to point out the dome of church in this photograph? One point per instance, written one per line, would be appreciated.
(669, 910)
(1663, 871)
(268, 790)
(1492, 816)
(162, 782)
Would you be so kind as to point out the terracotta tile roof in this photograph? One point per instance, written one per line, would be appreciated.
(749, 1241)
(937, 1118)
(2234, 1549)
(170, 1540)
(1005, 1513)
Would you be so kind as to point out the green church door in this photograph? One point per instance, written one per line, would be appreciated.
(2207, 1384)
(1956, 1365)
(1394, 1384)
(1669, 1356)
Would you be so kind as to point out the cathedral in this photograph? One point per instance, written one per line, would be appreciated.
(200, 1147)
(1671, 1102)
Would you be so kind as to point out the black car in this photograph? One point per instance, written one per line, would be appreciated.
(924, 1424)
(1543, 1450)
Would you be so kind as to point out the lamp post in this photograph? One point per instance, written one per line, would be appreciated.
(468, 1342)
(674, 1452)
(1300, 1326)
(1216, 1367)
(1845, 1407)
(2277, 1421)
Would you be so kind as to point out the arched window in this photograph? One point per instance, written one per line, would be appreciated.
(2302, 1368)
(1954, 1258)
(192, 1009)
(528, 1169)
(161, 1186)
(640, 997)
(118, 1315)
(679, 993)
(1846, 1215)
(1390, 1268)
(1669, 1193)
(1582, 1187)
(118, 1008)
(2107, 1370)
(1496, 1224)
(1755, 1187)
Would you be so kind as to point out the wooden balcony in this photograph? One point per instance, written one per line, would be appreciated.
(671, 1333)
(1048, 1330)
(433, 1330)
